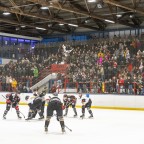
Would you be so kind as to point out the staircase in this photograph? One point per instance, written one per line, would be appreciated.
(45, 75)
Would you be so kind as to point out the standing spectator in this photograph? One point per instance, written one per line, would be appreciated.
(53, 89)
(14, 84)
(3, 82)
(35, 72)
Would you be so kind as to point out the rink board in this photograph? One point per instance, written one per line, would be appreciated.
(102, 101)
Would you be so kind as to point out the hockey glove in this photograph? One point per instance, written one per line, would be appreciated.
(63, 107)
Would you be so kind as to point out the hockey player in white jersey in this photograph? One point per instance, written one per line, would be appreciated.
(86, 103)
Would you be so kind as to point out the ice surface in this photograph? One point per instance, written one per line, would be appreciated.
(107, 127)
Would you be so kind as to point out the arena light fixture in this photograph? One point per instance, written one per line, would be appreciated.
(119, 15)
(44, 8)
(23, 26)
(109, 21)
(131, 16)
(39, 28)
(6, 13)
(91, 1)
(61, 24)
(73, 25)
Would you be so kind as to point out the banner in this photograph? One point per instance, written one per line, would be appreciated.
(59, 67)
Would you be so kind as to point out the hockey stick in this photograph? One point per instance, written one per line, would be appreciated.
(64, 125)
(22, 114)
(68, 128)
(3, 96)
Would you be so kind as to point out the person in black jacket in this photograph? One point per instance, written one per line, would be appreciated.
(55, 104)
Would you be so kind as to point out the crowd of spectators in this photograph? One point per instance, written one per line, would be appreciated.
(100, 65)
(107, 66)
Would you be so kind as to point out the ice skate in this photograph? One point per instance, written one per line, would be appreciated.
(91, 116)
(46, 129)
(4, 117)
(63, 130)
(18, 114)
(19, 117)
(65, 115)
(29, 118)
(82, 116)
(41, 118)
(75, 115)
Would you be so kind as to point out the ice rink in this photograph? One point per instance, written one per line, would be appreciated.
(107, 127)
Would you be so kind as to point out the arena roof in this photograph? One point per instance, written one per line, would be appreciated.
(47, 17)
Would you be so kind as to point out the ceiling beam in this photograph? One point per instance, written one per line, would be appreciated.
(32, 15)
(76, 11)
(29, 25)
(13, 10)
(68, 9)
(87, 6)
(115, 3)
(14, 5)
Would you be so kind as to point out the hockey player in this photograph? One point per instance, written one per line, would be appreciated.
(35, 105)
(86, 103)
(12, 100)
(55, 104)
(69, 100)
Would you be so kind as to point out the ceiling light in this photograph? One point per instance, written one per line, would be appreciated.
(119, 15)
(23, 26)
(131, 16)
(6, 13)
(109, 21)
(73, 25)
(61, 24)
(17, 29)
(44, 7)
(40, 28)
(49, 25)
(90, 1)
(86, 21)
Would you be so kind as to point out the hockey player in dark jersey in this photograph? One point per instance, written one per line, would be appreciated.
(69, 100)
(12, 100)
(35, 105)
(55, 104)
(86, 103)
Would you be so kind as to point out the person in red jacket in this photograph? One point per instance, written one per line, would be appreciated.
(12, 100)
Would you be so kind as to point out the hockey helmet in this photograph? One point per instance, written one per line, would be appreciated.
(26, 98)
(55, 94)
(65, 95)
(35, 94)
(87, 95)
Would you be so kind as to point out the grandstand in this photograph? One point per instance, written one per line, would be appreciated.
(78, 46)
(83, 55)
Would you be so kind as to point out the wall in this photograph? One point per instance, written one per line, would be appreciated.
(125, 102)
